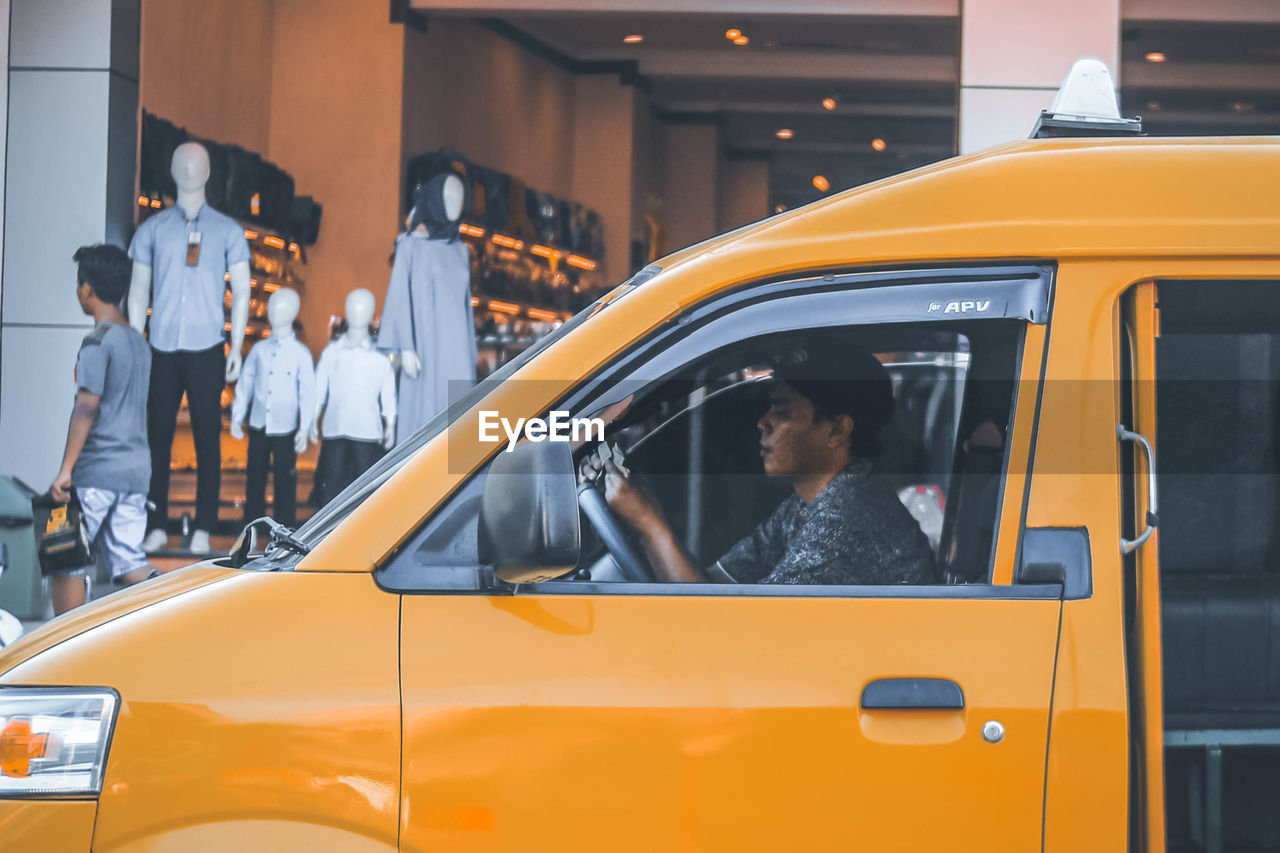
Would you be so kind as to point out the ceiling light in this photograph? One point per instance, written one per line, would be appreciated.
(1155, 56)
(633, 39)
(820, 183)
(778, 208)
(732, 34)
(740, 41)
(879, 144)
(1242, 107)
(784, 133)
(1153, 105)
(828, 103)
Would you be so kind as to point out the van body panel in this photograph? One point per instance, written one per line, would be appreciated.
(93, 614)
(720, 723)
(55, 826)
(270, 701)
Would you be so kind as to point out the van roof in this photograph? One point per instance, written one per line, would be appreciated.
(1032, 199)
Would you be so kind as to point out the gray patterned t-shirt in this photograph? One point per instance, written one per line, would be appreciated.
(855, 531)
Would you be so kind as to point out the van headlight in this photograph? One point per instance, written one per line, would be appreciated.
(53, 740)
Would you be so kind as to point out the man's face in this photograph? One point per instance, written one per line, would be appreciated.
(791, 442)
(83, 292)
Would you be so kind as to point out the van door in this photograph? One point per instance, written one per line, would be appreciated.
(588, 713)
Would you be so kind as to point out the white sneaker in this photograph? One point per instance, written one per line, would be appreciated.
(157, 540)
(199, 542)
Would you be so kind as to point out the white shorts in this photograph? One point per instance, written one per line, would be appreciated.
(116, 523)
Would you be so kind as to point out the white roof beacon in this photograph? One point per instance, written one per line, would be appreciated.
(1086, 106)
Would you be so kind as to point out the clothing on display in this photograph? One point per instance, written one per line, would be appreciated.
(357, 388)
(428, 312)
(341, 461)
(277, 454)
(189, 262)
(200, 376)
(277, 388)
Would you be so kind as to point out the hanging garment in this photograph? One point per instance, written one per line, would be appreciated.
(428, 310)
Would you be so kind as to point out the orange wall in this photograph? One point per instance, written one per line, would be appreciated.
(744, 192)
(692, 163)
(471, 90)
(207, 66)
(335, 126)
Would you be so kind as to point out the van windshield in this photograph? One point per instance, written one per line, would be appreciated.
(329, 516)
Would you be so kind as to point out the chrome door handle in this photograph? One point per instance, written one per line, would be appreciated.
(1128, 546)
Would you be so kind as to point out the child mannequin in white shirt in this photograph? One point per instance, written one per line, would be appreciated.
(277, 390)
(356, 391)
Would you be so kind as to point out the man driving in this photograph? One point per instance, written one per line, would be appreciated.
(842, 525)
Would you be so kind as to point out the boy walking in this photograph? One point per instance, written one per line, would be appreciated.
(107, 462)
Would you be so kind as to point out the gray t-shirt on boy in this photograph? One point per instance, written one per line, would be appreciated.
(115, 363)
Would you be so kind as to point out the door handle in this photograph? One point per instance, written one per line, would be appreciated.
(1128, 546)
(913, 694)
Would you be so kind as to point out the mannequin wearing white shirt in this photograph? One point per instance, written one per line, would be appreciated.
(277, 391)
(187, 332)
(356, 391)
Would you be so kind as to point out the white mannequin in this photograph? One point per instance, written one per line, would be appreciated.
(190, 169)
(454, 192)
(359, 309)
(282, 310)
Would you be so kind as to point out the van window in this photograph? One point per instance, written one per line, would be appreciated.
(691, 438)
(1218, 459)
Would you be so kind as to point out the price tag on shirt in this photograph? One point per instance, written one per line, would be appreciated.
(193, 248)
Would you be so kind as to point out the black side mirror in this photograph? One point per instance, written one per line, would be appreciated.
(4, 557)
(529, 513)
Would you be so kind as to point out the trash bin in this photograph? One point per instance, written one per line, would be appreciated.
(21, 590)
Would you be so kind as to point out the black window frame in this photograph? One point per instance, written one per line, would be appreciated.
(1026, 291)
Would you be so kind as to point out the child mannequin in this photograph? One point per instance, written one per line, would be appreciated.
(356, 390)
(277, 389)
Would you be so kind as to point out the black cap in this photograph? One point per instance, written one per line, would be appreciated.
(841, 379)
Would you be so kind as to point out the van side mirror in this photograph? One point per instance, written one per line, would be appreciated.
(529, 513)
(4, 557)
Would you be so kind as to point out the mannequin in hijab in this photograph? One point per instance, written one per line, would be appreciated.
(427, 315)
(181, 258)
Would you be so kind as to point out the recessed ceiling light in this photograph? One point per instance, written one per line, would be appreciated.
(635, 38)
(820, 183)
(778, 208)
(1155, 56)
(828, 103)
(741, 40)
(1153, 105)
(784, 133)
(879, 144)
(732, 34)
(1242, 107)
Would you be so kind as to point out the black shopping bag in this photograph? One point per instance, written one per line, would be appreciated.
(61, 539)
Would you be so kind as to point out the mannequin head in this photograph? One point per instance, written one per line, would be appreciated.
(282, 308)
(453, 193)
(360, 306)
(438, 207)
(190, 167)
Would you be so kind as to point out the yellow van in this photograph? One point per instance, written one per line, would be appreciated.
(465, 651)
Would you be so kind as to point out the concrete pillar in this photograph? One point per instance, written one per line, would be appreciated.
(744, 191)
(604, 143)
(690, 194)
(1014, 55)
(70, 164)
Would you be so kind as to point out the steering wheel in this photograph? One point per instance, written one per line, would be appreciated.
(593, 505)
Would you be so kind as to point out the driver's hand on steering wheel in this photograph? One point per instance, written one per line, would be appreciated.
(631, 502)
